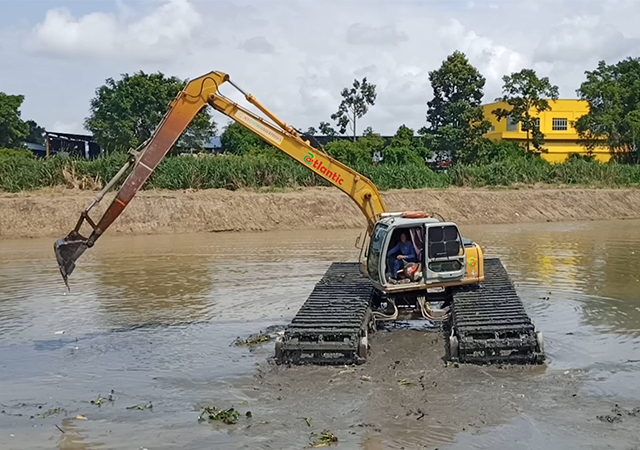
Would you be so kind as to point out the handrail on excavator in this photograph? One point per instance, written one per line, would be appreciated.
(196, 95)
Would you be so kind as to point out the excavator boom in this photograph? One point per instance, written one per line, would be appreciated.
(196, 95)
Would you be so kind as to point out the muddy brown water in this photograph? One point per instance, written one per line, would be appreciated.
(154, 318)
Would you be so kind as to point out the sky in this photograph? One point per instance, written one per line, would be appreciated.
(295, 56)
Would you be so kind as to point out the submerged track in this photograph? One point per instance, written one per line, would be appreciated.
(488, 322)
(330, 325)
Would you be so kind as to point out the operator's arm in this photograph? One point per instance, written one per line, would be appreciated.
(395, 250)
(410, 255)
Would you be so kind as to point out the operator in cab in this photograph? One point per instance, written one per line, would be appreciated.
(403, 252)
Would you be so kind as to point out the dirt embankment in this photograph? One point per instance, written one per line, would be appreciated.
(53, 212)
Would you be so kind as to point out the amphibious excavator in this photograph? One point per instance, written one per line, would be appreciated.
(447, 280)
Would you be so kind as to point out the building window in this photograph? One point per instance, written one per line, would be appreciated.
(560, 124)
(512, 125)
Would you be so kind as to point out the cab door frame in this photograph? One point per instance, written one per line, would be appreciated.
(383, 263)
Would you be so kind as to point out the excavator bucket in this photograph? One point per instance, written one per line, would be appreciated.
(67, 251)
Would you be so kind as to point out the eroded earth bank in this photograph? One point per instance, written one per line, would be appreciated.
(53, 212)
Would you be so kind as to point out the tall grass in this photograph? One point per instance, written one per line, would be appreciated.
(256, 171)
(531, 171)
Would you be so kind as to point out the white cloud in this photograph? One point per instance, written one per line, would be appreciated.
(295, 56)
(492, 59)
(258, 45)
(585, 38)
(67, 127)
(159, 36)
(363, 34)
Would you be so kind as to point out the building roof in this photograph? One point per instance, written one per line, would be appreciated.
(71, 136)
(560, 100)
(36, 147)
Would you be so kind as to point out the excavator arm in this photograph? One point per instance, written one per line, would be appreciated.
(196, 95)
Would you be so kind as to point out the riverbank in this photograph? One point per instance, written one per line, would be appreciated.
(53, 212)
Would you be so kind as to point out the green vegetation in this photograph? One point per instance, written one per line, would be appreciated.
(228, 416)
(614, 116)
(324, 439)
(355, 104)
(454, 115)
(576, 171)
(523, 91)
(7, 153)
(124, 113)
(259, 171)
(13, 130)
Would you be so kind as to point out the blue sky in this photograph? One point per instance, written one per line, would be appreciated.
(296, 55)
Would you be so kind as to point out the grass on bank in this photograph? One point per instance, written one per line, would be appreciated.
(19, 172)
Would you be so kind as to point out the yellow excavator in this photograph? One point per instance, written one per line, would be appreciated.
(412, 265)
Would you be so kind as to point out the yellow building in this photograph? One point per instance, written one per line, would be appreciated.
(561, 138)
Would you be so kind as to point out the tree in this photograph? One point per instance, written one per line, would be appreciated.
(368, 131)
(326, 129)
(311, 131)
(405, 138)
(13, 130)
(494, 151)
(454, 115)
(353, 154)
(355, 104)
(36, 133)
(406, 148)
(614, 107)
(523, 91)
(125, 113)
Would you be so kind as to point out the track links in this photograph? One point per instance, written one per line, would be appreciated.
(490, 324)
(330, 325)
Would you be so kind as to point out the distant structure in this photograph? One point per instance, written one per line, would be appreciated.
(40, 151)
(214, 145)
(322, 140)
(561, 138)
(78, 145)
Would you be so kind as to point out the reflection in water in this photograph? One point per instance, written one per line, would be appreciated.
(208, 276)
(596, 264)
(161, 280)
(152, 286)
(72, 438)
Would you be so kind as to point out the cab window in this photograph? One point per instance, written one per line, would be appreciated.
(444, 241)
(375, 250)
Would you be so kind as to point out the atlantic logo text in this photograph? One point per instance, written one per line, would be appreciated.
(334, 176)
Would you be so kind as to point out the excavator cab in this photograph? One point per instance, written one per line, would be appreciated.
(438, 255)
